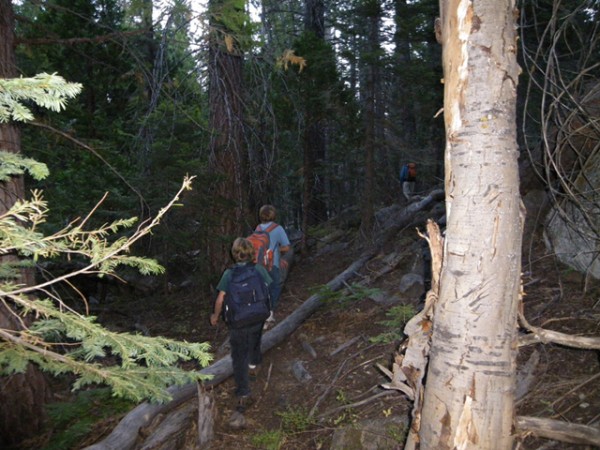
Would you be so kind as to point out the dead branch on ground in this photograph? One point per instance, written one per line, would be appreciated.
(540, 335)
(558, 430)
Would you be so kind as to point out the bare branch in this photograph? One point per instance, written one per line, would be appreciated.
(540, 335)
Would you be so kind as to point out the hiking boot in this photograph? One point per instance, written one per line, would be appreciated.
(243, 403)
(253, 370)
(237, 421)
(269, 322)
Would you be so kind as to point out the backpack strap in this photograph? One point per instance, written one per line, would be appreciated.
(268, 229)
(271, 227)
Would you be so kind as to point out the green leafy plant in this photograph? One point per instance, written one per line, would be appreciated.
(295, 420)
(71, 421)
(341, 397)
(398, 433)
(269, 440)
(345, 417)
(398, 317)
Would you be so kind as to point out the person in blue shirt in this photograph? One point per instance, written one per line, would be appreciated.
(279, 243)
(408, 177)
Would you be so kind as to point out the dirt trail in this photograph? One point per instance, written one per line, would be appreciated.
(344, 377)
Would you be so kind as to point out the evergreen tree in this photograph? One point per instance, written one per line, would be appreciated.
(38, 327)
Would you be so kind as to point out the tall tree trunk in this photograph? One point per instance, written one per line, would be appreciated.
(314, 208)
(228, 156)
(371, 89)
(469, 395)
(150, 67)
(22, 396)
(402, 94)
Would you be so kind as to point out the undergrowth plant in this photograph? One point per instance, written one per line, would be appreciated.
(269, 439)
(72, 421)
(398, 317)
(295, 420)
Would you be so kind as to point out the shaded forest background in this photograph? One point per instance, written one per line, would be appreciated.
(312, 106)
(309, 108)
(309, 105)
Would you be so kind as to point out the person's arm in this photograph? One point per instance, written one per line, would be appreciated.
(284, 241)
(214, 317)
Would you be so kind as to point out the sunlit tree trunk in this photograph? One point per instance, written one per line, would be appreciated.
(22, 396)
(228, 159)
(469, 392)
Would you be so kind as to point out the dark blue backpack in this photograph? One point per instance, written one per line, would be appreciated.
(404, 173)
(247, 299)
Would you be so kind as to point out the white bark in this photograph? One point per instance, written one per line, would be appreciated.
(469, 395)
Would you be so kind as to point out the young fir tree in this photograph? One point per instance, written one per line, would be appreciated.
(47, 332)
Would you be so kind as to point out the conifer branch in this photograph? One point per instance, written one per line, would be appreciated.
(50, 334)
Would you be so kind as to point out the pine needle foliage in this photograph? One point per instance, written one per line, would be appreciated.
(51, 334)
(46, 90)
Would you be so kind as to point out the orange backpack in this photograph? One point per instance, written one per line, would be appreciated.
(261, 241)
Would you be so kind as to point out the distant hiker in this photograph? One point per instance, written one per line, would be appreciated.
(243, 301)
(278, 245)
(408, 177)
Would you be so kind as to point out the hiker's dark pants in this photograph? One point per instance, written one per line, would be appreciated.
(275, 288)
(245, 349)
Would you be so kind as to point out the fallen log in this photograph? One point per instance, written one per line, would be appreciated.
(558, 430)
(171, 427)
(125, 434)
(405, 218)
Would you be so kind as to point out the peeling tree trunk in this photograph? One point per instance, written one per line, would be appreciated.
(469, 395)
(228, 159)
(22, 395)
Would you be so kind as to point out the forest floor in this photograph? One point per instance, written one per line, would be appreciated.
(340, 344)
(566, 381)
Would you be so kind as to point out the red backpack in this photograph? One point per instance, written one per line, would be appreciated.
(261, 241)
(412, 172)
